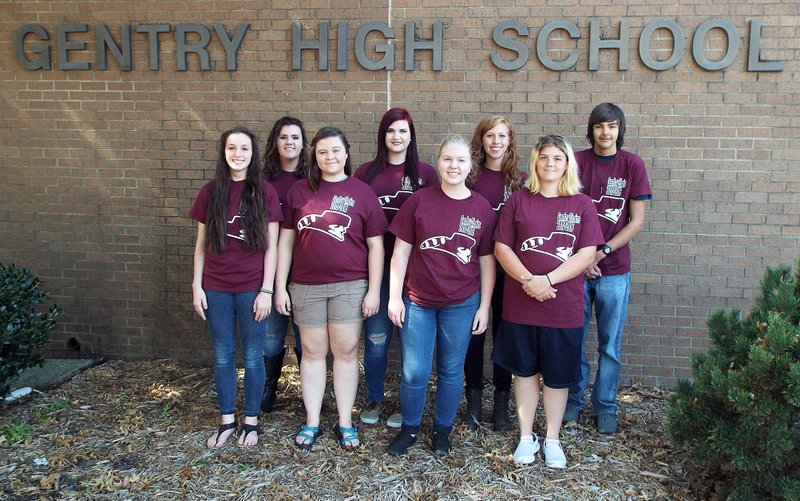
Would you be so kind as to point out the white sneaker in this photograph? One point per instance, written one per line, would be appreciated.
(526, 450)
(554, 454)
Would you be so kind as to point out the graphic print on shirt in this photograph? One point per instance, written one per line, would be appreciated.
(236, 220)
(506, 193)
(459, 244)
(611, 204)
(560, 243)
(393, 202)
(333, 222)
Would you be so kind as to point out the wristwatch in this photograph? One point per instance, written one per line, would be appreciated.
(607, 250)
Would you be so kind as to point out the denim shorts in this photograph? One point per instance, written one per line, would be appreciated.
(336, 303)
(526, 350)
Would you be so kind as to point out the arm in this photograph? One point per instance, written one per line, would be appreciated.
(573, 266)
(536, 286)
(397, 274)
(372, 300)
(285, 245)
(263, 303)
(198, 294)
(636, 220)
(488, 276)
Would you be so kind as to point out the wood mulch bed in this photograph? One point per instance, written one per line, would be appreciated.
(137, 430)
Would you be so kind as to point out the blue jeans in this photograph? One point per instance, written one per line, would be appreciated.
(448, 329)
(226, 311)
(610, 295)
(377, 336)
(277, 326)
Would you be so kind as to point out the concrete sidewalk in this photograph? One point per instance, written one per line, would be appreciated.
(53, 373)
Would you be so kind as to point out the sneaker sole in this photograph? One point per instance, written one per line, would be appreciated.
(393, 424)
(369, 420)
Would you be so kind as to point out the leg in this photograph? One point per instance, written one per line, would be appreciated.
(526, 394)
(274, 351)
(377, 337)
(473, 362)
(575, 401)
(251, 334)
(611, 306)
(555, 401)
(452, 338)
(344, 346)
(221, 325)
(500, 376)
(417, 336)
(313, 370)
(473, 374)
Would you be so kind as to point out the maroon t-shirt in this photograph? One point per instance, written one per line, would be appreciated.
(613, 182)
(393, 189)
(544, 233)
(332, 229)
(236, 269)
(447, 237)
(491, 186)
(283, 181)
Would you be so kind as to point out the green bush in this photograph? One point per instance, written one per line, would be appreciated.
(24, 326)
(741, 413)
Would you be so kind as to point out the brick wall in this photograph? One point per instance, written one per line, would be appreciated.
(100, 167)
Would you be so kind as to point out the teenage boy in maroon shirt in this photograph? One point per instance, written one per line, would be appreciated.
(617, 182)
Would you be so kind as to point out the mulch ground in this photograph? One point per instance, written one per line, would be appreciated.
(137, 430)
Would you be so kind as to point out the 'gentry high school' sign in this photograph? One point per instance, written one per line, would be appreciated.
(34, 53)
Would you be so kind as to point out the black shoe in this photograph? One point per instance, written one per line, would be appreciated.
(500, 411)
(274, 366)
(473, 414)
(441, 443)
(402, 442)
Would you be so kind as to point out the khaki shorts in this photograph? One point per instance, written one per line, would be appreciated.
(336, 303)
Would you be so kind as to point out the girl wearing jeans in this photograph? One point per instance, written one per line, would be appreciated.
(285, 163)
(237, 218)
(394, 174)
(440, 289)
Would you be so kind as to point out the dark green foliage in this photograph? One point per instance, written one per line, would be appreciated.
(741, 414)
(24, 326)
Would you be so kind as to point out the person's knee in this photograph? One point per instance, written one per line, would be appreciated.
(377, 339)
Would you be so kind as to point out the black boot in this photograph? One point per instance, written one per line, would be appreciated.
(500, 411)
(473, 416)
(273, 365)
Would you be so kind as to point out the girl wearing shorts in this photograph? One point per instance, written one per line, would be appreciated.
(546, 236)
(332, 239)
(285, 163)
(394, 174)
(494, 150)
(237, 218)
(440, 289)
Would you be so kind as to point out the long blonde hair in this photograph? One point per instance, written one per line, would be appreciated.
(570, 183)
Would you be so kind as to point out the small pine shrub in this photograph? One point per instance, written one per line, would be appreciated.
(741, 413)
(24, 325)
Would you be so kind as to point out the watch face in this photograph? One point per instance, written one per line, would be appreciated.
(606, 250)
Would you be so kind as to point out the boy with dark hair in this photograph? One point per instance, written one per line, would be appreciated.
(617, 182)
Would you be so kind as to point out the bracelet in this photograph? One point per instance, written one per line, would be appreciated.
(548, 279)
(266, 291)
